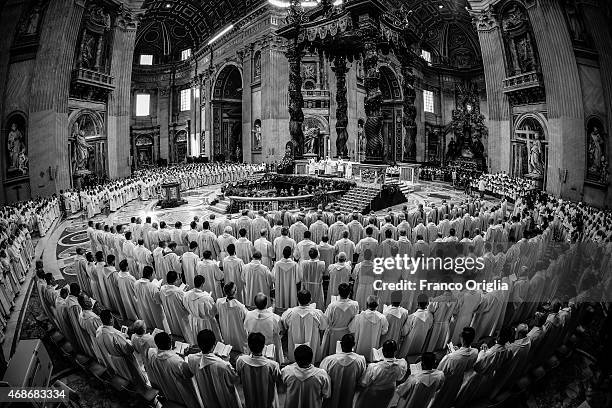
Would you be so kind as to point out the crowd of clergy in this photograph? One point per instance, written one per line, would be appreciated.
(503, 185)
(146, 184)
(259, 280)
(18, 222)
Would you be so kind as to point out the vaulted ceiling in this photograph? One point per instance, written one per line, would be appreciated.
(444, 27)
(169, 26)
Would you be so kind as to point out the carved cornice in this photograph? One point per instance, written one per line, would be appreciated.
(128, 19)
(484, 20)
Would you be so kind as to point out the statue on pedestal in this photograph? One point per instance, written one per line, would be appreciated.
(536, 158)
(81, 147)
(15, 146)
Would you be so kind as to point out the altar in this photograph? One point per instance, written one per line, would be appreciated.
(326, 168)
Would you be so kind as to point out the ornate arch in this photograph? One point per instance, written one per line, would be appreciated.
(537, 116)
(313, 120)
(222, 76)
(88, 117)
(391, 79)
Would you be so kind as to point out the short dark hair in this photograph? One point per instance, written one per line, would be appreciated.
(303, 355)
(257, 342)
(389, 348)
(467, 336)
(106, 316)
(428, 360)
(123, 265)
(287, 252)
(198, 280)
(75, 289)
(347, 342)
(207, 254)
(163, 341)
(261, 301)
(344, 290)
(147, 271)
(171, 276)
(304, 297)
(231, 249)
(206, 340)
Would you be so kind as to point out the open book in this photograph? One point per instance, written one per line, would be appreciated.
(338, 347)
(124, 330)
(415, 368)
(222, 350)
(183, 286)
(312, 306)
(181, 347)
(335, 299)
(269, 351)
(451, 347)
(157, 282)
(377, 354)
(302, 344)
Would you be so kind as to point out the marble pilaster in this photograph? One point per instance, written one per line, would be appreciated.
(48, 116)
(247, 122)
(493, 57)
(124, 39)
(564, 102)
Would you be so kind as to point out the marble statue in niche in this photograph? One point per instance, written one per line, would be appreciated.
(82, 150)
(574, 20)
(597, 168)
(536, 158)
(15, 146)
(88, 51)
(257, 65)
(30, 23)
(519, 41)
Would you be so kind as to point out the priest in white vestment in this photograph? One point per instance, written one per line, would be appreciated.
(233, 271)
(172, 299)
(312, 271)
(416, 328)
(189, 263)
(202, 309)
(345, 369)
(170, 373)
(259, 375)
(420, 387)
(213, 275)
(231, 319)
(119, 350)
(303, 325)
(287, 278)
(378, 381)
(126, 282)
(368, 327)
(263, 320)
(215, 378)
(339, 315)
(148, 300)
(307, 386)
(257, 278)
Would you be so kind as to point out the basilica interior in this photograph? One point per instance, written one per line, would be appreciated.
(172, 110)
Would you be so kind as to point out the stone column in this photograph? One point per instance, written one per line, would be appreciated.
(566, 128)
(296, 100)
(119, 101)
(409, 110)
(373, 98)
(247, 122)
(11, 12)
(164, 116)
(340, 70)
(493, 58)
(48, 116)
(598, 28)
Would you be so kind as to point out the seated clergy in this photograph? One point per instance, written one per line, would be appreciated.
(307, 386)
(215, 377)
(169, 373)
(259, 375)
